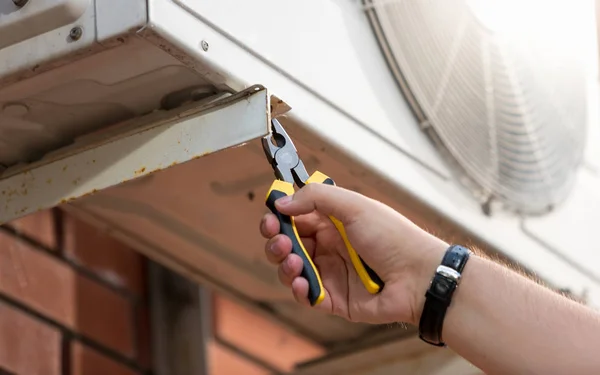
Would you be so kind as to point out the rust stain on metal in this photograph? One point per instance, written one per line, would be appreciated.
(85, 195)
(67, 200)
(140, 171)
(21, 211)
(201, 155)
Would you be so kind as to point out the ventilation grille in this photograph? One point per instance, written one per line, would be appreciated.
(504, 96)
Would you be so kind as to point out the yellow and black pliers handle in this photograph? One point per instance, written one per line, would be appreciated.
(288, 168)
(316, 291)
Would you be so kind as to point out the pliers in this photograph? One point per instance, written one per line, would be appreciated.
(289, 169)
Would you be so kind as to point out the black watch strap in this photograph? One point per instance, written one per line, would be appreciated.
(439, 294)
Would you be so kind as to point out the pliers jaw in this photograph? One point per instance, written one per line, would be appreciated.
(283, 156)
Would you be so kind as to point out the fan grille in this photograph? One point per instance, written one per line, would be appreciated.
(508, 105)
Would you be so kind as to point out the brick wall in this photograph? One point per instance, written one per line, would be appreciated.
(72, 300)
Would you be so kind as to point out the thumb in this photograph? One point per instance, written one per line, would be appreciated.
(329, 200)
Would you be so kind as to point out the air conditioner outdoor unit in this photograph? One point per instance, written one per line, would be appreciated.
(97, 95)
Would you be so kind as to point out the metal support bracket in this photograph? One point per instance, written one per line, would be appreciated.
(134, 149)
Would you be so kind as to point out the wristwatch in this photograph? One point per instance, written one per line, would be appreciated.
(439, 295)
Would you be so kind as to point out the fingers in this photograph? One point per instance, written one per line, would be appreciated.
(278, 251)
(307, 225)
(290, 269)
(278, 248)
(269, 226)
(300, 290)
(275, 250)
(289, 275)
(326, 199)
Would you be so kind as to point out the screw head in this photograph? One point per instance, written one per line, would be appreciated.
(75, 33)
(20, 3)
(204, 45)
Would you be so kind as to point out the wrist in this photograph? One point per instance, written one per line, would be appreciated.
(428, 262)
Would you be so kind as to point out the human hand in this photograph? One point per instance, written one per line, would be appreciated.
(402, 254)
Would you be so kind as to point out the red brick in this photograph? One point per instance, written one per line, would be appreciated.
(105, 316)
(86, 361)
(28, 346)
(39, 226)
(110, 259)
(57, 291)
(260, 337)
(223, 361)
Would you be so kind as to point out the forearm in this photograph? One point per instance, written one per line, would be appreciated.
(504, 323)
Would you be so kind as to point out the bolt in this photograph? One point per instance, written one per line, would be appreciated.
(75, 33)
(204, 45)
(20, 3)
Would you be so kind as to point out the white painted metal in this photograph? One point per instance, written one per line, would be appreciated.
(302, 47)
(19, 23)
(142, 146)
(131, 16)
(26, 58)
(573, 226)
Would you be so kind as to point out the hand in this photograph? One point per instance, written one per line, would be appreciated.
(402, 254)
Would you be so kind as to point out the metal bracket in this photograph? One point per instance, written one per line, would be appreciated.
(138, 148)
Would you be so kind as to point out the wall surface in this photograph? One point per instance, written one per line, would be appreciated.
(72, 300)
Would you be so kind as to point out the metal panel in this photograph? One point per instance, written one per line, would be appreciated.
(153, 142)
(22, 20)
(570, 230)
(26, 58)
(310, 44)
(131, 15)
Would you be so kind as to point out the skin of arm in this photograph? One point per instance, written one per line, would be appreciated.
(499, 320)
(505, 323)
